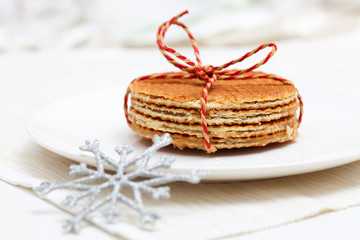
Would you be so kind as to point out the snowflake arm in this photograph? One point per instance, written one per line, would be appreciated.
(99, 156)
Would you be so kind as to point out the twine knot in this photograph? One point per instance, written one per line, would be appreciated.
(208, 70)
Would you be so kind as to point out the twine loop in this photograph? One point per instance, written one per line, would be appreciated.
(190, 69)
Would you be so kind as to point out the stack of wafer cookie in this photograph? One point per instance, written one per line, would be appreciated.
(212, 108)
(240, 112)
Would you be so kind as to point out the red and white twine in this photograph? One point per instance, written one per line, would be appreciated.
(207, 73)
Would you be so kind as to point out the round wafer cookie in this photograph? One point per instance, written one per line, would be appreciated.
(256, 93)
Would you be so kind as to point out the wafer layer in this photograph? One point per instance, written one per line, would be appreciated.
(183, 141)
(231, 104)
(214, 117)
(222, 131)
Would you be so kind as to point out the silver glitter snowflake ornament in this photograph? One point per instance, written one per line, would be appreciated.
(97, 181)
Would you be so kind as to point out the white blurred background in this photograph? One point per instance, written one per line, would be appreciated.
(38, 25)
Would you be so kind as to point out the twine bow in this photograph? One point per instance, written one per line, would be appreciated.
(207, 73)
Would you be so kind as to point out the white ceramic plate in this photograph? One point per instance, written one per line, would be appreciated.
(328, 137)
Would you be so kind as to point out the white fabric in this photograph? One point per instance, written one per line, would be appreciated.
(203, 211)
